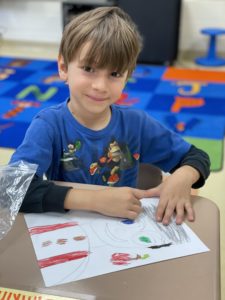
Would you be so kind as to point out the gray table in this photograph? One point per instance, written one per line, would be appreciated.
(195, 277)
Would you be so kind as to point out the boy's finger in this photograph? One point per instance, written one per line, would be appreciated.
(190, 211)
(168, 214)
(154, 192)
(160, 211)
(179, 215)
(139, 194)
(137, 208)
(132, 215)
(136, 201)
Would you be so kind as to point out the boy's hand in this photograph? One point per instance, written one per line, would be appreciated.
(174, 193)
(121, 202)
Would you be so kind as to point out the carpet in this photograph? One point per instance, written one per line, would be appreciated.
(189, 102)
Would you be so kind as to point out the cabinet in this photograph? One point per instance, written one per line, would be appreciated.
(158, 21)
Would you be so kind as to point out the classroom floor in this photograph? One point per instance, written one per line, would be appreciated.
(215, 186)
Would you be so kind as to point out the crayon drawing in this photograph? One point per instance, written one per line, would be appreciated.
(69, 246)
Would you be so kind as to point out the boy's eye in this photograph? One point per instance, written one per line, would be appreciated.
(88, 69)
(116, 74)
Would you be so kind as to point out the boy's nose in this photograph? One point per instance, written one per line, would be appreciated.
(99, 83)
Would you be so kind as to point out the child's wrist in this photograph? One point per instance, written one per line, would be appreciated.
(98, 199)
(190, 173)
(78, 199)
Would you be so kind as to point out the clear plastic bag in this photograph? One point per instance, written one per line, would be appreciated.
(15, 179)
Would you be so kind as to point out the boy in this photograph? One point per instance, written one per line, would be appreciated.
(88, 139)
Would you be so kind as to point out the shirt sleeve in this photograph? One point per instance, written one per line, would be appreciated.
(160, 146)
(199, 160)
(37, 146)
(44, 196)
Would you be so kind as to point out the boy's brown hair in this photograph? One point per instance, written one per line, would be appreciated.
(115, 42)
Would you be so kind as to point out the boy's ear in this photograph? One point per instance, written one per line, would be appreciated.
(62, 68)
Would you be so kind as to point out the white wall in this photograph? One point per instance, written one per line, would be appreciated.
(42, 21)
(199, 14)
(39, 21)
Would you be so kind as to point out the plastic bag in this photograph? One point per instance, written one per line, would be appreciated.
(15, 179)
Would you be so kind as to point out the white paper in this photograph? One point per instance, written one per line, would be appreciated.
(78, 245)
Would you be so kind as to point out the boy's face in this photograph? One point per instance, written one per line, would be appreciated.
(92, 90)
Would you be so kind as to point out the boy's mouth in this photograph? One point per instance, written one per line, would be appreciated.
(96, 98)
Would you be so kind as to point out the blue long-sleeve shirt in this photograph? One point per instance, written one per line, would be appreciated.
(65, 150)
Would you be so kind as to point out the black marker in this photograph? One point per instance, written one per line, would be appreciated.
(160, 246)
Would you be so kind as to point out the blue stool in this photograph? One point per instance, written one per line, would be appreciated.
(211, 59)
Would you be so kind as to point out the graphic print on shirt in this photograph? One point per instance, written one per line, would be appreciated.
(116, 158)
(70, 161)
